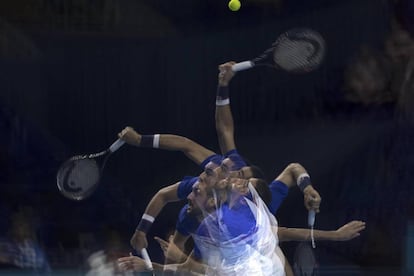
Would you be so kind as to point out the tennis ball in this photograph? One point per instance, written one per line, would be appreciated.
(234, 5)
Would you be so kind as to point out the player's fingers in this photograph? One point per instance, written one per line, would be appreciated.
(163, 244)
(124, 259)
(161, 241)
(315, 203)
(228, 66)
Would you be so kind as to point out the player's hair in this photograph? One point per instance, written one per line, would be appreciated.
(262, 188)
(257, 172)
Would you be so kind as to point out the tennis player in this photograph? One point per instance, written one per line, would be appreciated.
(231, 240)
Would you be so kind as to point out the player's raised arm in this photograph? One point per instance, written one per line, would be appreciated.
(223, 115)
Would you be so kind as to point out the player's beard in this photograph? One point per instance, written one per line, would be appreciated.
(193, 209)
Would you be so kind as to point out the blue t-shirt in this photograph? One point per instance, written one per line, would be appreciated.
(215, 158)
(279, 191)
(236, 158)
(226, 224)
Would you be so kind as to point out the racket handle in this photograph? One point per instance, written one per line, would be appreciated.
(244, 65)
(116, 145)
(311, 218)
(146, 258)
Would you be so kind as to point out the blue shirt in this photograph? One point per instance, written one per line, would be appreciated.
(225, 224)
(279, 191)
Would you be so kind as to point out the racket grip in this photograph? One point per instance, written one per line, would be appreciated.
(116, 145)
(242, 66)
(311, 218)
(146, 258)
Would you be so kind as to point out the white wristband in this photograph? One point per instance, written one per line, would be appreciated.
(148, 217)
(222, 102)
(171, 267)
(156, 142)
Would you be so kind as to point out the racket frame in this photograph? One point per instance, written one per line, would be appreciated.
(83, 195)
(269, 53)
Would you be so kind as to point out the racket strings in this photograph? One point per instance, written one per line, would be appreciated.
(294, 54)
(78, 177)
(299, 50)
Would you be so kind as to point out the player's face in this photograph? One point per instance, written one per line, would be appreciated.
(197, 199)
(222, 171)
(239, 186)
(211, 166)
(244, 173)
(208, 177)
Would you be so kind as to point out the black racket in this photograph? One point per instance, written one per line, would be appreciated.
(305, 263)
(298, 50)
(79, 176)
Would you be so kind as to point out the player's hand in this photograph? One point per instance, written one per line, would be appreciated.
(139, 241)
(131, 263)
(226, 73)
(171, 251)
(312, 199)
(130, 136)
(350, 230)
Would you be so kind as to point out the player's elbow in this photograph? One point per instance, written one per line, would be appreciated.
(295, 168)
(163, 195)
(187, 145)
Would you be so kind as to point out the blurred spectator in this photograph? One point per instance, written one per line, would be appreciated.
(367, 78)
(404, 11)
(21, 250)
(399, 50)
(379, 77)
(104, 262)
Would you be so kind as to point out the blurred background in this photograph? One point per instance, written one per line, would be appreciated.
(74, 73)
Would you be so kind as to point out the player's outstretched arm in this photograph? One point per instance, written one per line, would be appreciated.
(346, 232)
(191, 149)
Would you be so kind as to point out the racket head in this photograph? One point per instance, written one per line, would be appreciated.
(299, 50)
(305, 262)
(78, 177)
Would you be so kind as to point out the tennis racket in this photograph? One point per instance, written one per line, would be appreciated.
(145, 256)
(78, 177)
(305, 263)
(311, 224)
(298, 50)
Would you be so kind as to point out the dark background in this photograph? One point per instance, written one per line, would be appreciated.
(74, 73)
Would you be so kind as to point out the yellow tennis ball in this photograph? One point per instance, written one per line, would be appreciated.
(234, 5)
